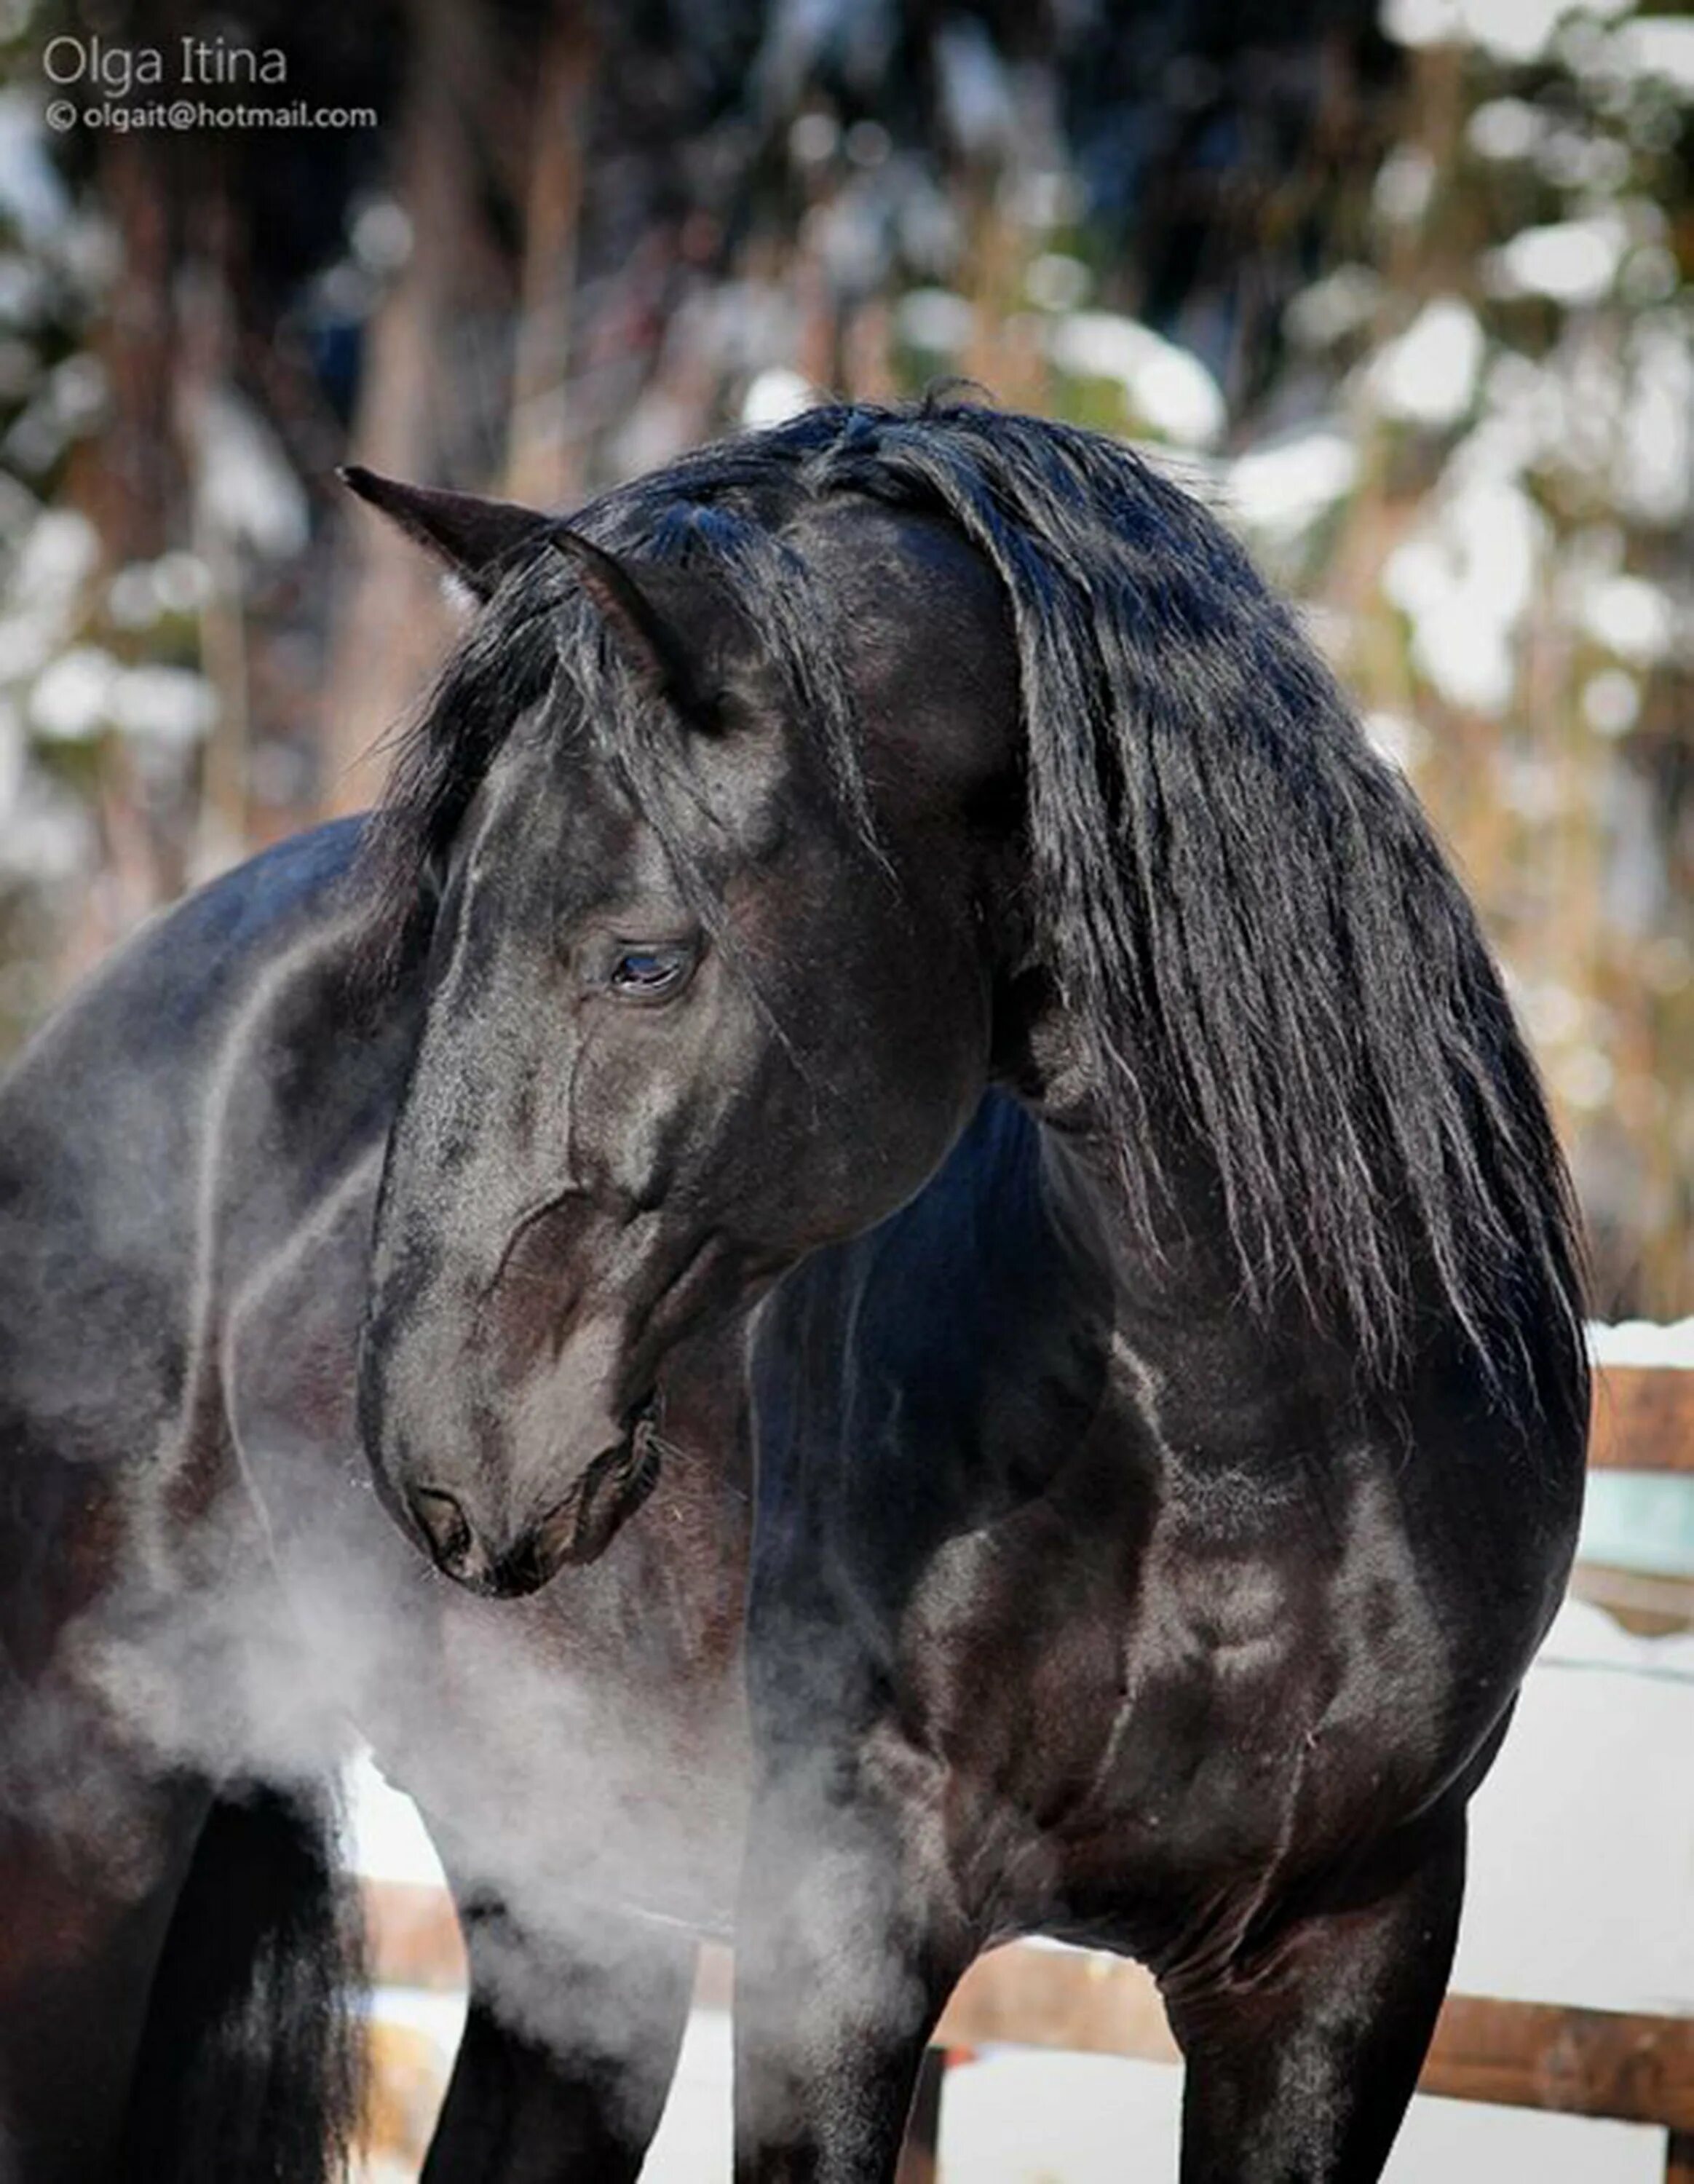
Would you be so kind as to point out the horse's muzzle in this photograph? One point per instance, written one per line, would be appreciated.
(578, 1529)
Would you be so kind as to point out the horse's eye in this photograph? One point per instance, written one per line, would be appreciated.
(646, 973)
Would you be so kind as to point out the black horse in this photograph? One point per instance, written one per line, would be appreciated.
(888, 967)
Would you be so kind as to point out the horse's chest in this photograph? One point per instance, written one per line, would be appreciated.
(1173, 1711)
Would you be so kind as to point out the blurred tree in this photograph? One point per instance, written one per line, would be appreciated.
(1514, 557)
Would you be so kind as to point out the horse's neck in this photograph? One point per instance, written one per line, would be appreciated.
(1005, 1351)
(1194, 1377)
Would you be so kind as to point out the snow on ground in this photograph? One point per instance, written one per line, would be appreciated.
(1643, 1342)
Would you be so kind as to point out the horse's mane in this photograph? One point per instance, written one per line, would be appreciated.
(1243, 911)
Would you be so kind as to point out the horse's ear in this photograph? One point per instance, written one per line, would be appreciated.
(476, 538)
(649, 613)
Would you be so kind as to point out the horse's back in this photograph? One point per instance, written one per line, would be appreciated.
(108, 1125)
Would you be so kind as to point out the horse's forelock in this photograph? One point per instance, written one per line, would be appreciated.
(500, 668)
(720, 511)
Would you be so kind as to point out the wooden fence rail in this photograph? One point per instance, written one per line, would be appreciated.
(1643, 1419)
(1633, 2067)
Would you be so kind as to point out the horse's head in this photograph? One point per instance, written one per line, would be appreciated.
(709, 983)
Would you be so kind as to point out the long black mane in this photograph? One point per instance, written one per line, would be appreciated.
(1244, 912)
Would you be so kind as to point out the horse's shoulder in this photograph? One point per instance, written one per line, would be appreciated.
(106, 1119)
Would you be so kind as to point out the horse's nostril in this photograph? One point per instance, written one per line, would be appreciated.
(444, 1525)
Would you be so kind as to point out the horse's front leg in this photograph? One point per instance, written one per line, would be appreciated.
(848, 1941)
(1301, 2059)
(569, 2048)
(83, 1922)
